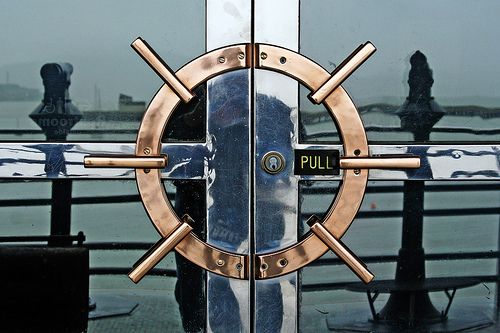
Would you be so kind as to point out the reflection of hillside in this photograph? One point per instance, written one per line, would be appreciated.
(13, 92)
(112, 115)
(128, 110)
(310, 117)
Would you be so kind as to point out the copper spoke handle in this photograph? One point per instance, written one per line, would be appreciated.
(161, 68)
(154, 255)
(380, 162)
(117, 161)
(350, 259)
(343, 71)
(347, 256)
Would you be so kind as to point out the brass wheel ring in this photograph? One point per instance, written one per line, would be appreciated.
(341, 213)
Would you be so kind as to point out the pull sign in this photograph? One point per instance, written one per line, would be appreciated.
(316, 162)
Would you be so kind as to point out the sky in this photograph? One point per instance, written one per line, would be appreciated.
(95, 36)
(459, 38)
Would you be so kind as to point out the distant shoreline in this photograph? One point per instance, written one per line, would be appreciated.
(10, 92)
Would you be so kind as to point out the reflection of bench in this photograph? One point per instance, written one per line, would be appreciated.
(448, 285)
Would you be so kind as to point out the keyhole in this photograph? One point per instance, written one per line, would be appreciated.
(273, 163)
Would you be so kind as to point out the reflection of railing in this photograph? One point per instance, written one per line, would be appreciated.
(320, 135)
(493, 187)
(428, 212)
(381, 129)
(20, 132)
(313, 117)
(307, 191)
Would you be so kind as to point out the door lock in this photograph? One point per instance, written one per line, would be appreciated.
(273, 162)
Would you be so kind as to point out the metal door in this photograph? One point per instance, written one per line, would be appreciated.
(232, 143)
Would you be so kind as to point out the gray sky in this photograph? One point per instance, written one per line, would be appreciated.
(95, 36)
(459, 37)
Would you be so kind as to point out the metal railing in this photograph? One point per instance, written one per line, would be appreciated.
(382, 129)
(329, 134)
(307, 191)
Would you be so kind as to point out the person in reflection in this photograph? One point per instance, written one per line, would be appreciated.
(228, 184)
(188, 124)
(229, 124)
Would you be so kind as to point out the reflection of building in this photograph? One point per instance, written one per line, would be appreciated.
(14, 92)
(126, 103)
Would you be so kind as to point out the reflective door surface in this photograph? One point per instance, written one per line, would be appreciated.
(433, 57)
(430, 93)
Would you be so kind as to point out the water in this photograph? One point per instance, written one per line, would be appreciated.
(15, 115)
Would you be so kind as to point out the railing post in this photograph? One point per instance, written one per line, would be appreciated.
(60, 214)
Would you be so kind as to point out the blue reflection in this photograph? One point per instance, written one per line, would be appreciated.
(228, 190)
(55, 163)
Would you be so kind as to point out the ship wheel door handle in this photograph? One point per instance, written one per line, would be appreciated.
(343, 252)
(149, 161)
(123, 161)
(161, 248)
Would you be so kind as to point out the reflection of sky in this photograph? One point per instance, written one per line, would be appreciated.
(95, 36)
(458, 37)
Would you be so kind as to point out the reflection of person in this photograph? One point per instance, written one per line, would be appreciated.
(275, 204)
(55, 163)
(227, 186)
(190, 284)
(228, 127)
(188, 124)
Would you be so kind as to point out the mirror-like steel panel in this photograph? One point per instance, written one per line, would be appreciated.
(275, 195)
(186, 161)
(348, 201)
(229, 168)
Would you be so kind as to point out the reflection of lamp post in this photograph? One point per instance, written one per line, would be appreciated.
(420, 112)
(56, 115)
(418, 115)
